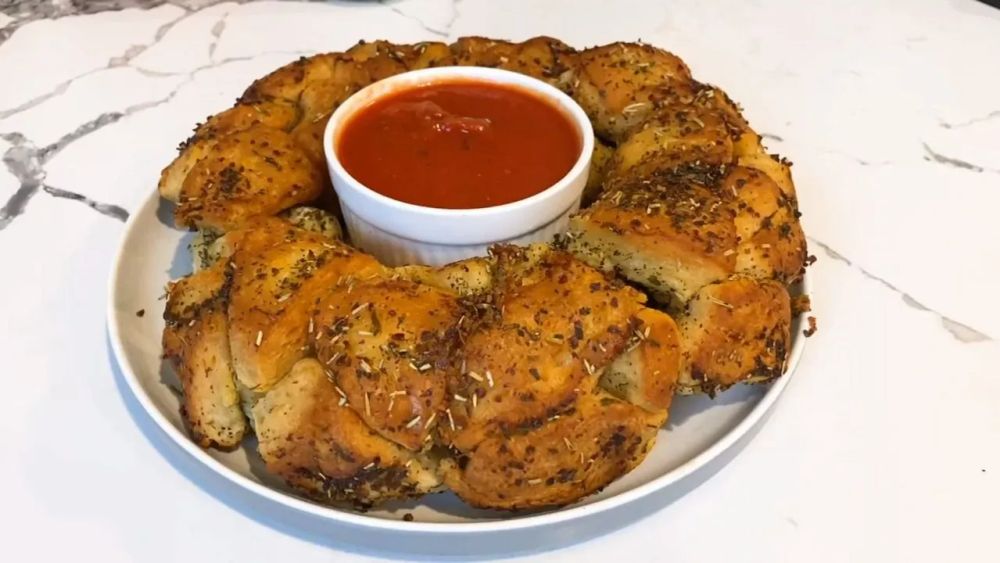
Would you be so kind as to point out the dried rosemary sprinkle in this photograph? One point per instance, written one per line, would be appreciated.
(632, 108)
(720, 303)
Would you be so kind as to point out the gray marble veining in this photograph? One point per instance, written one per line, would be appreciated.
(26, 162)
(961, 332)
(25, 11)
(23, 159)
(934, 156)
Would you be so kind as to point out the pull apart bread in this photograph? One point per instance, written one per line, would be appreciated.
(525, 379)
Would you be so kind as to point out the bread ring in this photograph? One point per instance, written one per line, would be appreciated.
(528, 378)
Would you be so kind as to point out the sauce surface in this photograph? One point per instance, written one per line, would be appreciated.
(459, 145)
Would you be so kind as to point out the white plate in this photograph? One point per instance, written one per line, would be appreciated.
(153, 252)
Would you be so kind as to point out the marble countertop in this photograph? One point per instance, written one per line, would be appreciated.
(886, 446)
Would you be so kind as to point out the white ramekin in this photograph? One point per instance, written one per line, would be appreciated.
(398, 233)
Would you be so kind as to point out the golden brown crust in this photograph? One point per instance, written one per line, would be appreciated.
(379, 59)
(683, 235)
(555, 324)
(541, 57)
(772, 244)
(674, 136)
(320, 446)
(750, 153)
(676, 231)
(279, 114)
(289, 81)
(646, 374)
(256, 172)
(277, 278)
(672, 232)
(600, 163)
(429, 54)
(580, 452)
(466, 278)
(388, 344)
(275, 114)
(346, 76)
(734, 331)
(620, 84)
(195, 339)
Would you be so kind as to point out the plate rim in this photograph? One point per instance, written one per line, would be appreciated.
(556, 516)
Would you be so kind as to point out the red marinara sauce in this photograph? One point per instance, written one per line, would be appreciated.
(459, 145)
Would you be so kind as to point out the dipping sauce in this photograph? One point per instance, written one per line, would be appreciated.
(459, 145)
